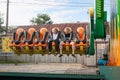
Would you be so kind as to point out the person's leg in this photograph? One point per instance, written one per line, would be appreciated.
(50, 46)
(61, 47)
(73, 48)
(57, 45)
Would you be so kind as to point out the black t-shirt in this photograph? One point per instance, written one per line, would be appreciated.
(67, 35)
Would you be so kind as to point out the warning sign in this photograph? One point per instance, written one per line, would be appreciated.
(5, 44)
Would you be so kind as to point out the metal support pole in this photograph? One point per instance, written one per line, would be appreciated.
(96, 54)
(7, 16)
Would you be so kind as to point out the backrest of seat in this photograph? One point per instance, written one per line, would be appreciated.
(42, 33)
(30, 32)
(18, 32)
(81, 33)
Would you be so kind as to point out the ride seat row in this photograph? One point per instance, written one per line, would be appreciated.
(32, 41)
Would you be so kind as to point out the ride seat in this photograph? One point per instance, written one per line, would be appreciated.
(81, 37)
(42, 36)
(17, 38)
(30, 37)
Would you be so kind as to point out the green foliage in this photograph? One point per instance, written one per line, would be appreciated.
(41, 19)
(1, 22)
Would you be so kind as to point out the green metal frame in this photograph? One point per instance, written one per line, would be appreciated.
(119, 15)
(40, 76)
(98, 30)
(100, 17)
(91, 49)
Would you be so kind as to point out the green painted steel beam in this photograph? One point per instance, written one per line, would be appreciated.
(105, 20)
(42, 76)
(119, 15)
(105, 16)
(99, 28)
(119, 7)
(99, 9)
(91, 49)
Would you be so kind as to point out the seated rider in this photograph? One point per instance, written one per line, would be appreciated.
(67, 36)
(54, 37)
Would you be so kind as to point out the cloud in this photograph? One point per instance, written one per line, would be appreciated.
(20, 14)
(65, 16)
(21, 11)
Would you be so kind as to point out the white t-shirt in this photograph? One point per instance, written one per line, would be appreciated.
(55, 36)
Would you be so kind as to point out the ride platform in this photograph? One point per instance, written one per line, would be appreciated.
(51, 71)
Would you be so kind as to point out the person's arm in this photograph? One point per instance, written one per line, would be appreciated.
(77, 36)
(63, 37)
(49, 36)
(71, 37)
(58, 36)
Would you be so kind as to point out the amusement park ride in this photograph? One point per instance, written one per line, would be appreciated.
(30, 42)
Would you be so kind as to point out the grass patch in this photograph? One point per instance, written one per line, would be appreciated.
(12, 62)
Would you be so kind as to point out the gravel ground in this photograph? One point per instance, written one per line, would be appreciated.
(48, 68)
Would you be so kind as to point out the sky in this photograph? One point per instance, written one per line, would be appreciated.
(60, 11)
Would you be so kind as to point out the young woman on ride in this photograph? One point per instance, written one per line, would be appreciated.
(54, 36)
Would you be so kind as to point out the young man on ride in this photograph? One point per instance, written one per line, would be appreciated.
(67, 36)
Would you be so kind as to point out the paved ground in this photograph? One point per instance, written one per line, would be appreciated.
(48, 68)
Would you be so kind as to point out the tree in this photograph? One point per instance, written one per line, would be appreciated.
(1, 22)
(41, 19)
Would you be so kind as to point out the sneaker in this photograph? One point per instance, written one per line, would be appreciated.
(73, 55)
(56, 52)
(50, 53)
(60, 55)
